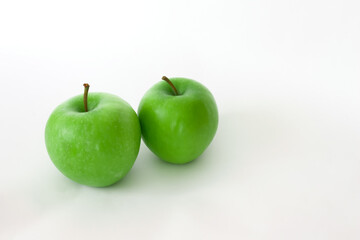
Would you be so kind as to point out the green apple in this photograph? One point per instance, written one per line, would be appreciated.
(93, 139)
(178, 119)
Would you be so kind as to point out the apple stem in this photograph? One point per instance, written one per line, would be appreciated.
(171, 84)
(86, 91)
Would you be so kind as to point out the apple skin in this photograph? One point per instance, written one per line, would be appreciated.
(95, 148)
(179, 128)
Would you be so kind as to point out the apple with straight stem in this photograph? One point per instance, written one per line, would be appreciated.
(93, 139)
(178, 119)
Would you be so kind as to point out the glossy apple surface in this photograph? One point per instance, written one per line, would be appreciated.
(178, 128)
(95, 148)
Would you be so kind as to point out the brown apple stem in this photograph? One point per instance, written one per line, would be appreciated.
(171, 84)
(86, 91)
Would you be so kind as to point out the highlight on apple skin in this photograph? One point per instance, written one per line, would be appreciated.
(178, 118)
(93, 139)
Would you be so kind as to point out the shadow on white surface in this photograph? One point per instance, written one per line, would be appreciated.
(154, 175)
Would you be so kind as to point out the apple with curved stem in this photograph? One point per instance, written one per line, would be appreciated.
(178, 119)
(93, 139)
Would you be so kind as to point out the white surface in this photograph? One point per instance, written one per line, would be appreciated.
(284, 164)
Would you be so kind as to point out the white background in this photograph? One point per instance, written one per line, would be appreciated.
(285, 163)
